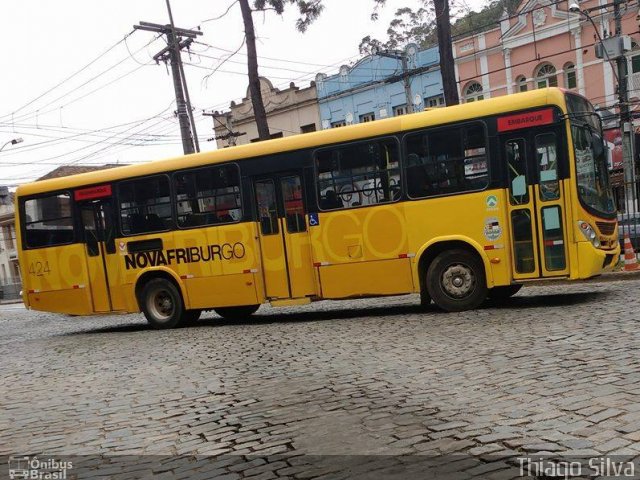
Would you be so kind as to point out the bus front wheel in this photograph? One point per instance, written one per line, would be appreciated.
(236, 313)
(190, 317)
(456, 281)
(162, 304)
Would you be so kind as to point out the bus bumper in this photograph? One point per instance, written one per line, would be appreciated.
(592, 262)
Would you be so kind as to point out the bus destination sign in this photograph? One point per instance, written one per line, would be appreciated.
(525, 120)
(99, 191)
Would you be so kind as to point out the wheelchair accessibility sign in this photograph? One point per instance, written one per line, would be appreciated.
(314, 221)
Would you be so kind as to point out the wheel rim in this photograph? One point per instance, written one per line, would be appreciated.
(160, 304)
(458, 281)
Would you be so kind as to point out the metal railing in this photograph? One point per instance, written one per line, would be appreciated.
(10, 291)
(627, 201)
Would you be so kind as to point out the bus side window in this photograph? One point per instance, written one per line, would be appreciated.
(447, 160)
(48, 221)
(145, 205)
(208, 196)
(363, 173)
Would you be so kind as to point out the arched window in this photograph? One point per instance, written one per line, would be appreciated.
(521, 84)
(473, 92)
(546, 76)
(570, 76)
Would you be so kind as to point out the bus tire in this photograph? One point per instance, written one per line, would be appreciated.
(456, 281)
(161, 303)
(190, 317)
(236, 313)
(425, 299)
(500, 294)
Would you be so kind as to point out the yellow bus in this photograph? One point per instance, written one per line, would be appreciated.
(457, 204)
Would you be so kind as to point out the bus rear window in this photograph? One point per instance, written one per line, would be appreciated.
(48, 221)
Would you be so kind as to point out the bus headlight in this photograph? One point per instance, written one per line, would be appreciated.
(589, 233)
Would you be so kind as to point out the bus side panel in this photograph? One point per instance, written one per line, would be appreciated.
(348, 280)
(217, 264)
(473, 216)
(362, 251)
(57, 279)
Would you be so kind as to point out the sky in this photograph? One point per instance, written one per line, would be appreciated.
(80, 87)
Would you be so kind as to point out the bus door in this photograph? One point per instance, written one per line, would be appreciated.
(99, 238)
(536, 204)
(285, 244)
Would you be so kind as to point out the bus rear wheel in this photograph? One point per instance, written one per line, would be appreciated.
(162, 304)
(500, 294)
(456, 281)
(236, 313)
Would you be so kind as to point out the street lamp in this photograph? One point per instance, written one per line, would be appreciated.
(12, 142)
(575, 8)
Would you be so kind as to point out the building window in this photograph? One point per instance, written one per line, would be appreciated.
(399, 110)
(521, 84)
(546, 76)
(570, 76)
(434, 102)
(339, 123)
(8, 237)
(367, 117)
(473, 92)
(308, 128)
(635, 64)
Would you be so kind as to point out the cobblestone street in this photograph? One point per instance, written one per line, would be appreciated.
(557, 369)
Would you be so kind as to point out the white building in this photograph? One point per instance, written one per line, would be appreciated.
(10, 283)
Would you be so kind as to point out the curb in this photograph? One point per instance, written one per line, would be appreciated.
(616, 276)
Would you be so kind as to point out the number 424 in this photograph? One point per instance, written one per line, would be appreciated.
(39, 269)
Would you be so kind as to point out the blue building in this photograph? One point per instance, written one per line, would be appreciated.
(374, 87)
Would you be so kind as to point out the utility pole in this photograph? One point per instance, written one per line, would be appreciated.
(626, 122)
(399, 55)
(171, 53)
(229, 137)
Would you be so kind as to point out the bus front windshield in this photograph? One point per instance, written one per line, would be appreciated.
(592, 174)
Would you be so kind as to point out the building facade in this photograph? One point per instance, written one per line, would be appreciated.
(375, 87)
(546, 44)
(289, 112)
(10, 283)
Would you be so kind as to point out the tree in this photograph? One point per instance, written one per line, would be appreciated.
(445, 48)
(309, 11)
(431, 24)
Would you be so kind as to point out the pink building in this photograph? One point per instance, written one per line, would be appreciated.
(545, 44)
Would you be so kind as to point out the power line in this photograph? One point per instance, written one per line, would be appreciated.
(70, 76)
(35, 113)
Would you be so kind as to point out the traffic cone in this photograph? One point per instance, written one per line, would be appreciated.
(630, 260)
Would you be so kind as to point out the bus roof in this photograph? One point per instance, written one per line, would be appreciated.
(492, 106)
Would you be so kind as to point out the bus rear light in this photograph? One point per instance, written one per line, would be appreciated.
(589, 233)
(320, 264)
(75, 287)
(186, 277)
(250, 270)
(406, 255)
